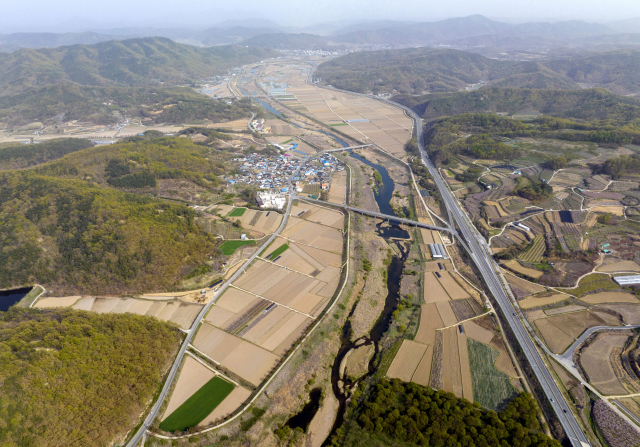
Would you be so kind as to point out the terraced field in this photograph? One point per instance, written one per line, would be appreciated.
(534, 254)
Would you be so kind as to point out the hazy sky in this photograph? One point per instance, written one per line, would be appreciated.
(74, 15)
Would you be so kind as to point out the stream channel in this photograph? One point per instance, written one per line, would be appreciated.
(393, 235)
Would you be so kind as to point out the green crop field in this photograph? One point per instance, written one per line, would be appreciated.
(237, 212)
(288, 141)
(198, 406)
(229, 247)
(534, 254)
(491, 388)
(278, 251)
(594, 282)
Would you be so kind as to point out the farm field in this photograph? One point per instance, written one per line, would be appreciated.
(270, 306)
(610, 297)
(230, 247)
(629, 312)
(542, 300)
(534, 254)
(591, 283)
(365, 119)
(492, 388)
(620, 266)
(174, 311)
(198, 406)
(596, 361)
(522, 288)
(237, 212)
(516, 267)
(338, 190)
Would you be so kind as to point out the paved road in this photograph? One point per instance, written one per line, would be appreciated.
(568, 354)
(380, 215)
(481, 255)
(163, 394)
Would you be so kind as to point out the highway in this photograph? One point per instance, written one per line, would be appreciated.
(481, 256)
(380, 215)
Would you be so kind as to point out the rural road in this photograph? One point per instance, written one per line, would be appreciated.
(174, 368)
(568, 354)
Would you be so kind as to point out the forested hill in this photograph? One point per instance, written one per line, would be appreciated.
(281, 41)
(62, 103)
(132, 62)
(588, 104)
(418, 70)
(398, 413)
(72, 378)
(71, 225)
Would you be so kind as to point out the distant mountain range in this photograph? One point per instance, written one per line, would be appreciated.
(415, 70)
(152, 61)
(474, 31)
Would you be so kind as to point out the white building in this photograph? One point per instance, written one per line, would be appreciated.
(627, 280)
(271, 200)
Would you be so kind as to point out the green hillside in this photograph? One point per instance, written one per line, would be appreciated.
(63, 102)
(139, 62)
(585, 104)
(18, 155)
(416, 70)
(617, 71)
(123, 164)
(78, 378)
(71, 226)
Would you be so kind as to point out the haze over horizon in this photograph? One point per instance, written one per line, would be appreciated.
(74, 15)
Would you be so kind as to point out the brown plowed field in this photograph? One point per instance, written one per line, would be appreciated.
(534, 301)
(451, 286)
(316, 235)
(64, 301)
(235, 300)
(575, 323)
(218, 316)
(338, 189)
(282, 333)
(295, 252)
(477, 332)
(610, 297)
(222, 350)
(503, 363)
(250, 362)
(104, 305)
(630, 312)
(293, 261)
(406, 360)
(265, 325)
(208, 338)
(325, 258)
(564, 310)
(446, 313)
(557, 340)
(465, 367)
(84, 304)
(596, 363)
(430, 320)
(325, 216)
(423, 371)
(433, 290)
(451, 362)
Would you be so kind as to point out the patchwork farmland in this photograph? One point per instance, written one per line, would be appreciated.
(261, 316)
